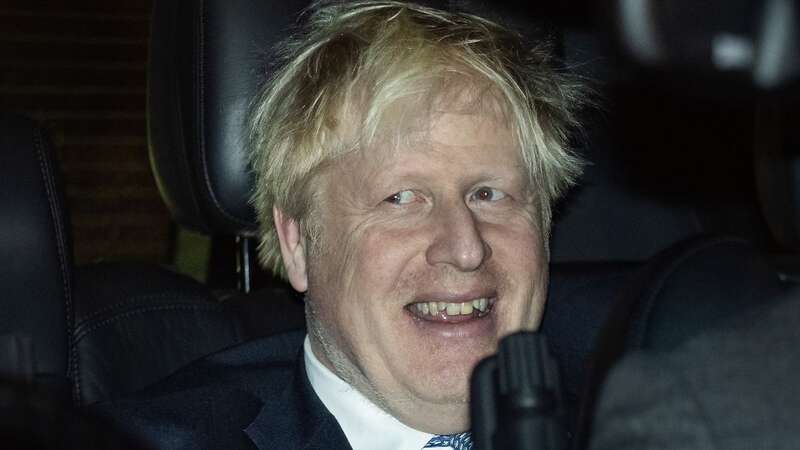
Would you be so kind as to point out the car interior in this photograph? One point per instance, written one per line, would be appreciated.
(686, 215)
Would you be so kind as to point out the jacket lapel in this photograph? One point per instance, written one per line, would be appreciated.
(297, 419)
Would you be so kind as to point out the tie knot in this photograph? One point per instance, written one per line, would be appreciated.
(460, 441)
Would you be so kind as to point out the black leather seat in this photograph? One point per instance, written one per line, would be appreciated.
(36, 257)
(136, 323)
(98, 331)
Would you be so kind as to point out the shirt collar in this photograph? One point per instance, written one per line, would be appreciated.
(365, 425)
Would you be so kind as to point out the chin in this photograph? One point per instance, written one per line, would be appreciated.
(446, 379)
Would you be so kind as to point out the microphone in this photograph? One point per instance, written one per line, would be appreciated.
(516, 401)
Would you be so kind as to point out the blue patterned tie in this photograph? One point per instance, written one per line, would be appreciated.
(461, 441)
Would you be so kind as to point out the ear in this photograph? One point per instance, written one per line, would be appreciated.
(293, 249)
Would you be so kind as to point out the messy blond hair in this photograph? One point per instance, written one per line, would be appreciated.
(355, 61)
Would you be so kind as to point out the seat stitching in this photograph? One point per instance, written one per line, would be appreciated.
(49, 183)
(134, 299)
(140, 311)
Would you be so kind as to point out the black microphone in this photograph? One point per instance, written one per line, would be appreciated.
(515, 397)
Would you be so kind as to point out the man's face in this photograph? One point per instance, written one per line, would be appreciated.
(428, 254)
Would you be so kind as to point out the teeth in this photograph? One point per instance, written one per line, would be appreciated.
(454, 309)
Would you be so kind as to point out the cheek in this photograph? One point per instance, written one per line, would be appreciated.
(517, 245)
(518, 258)
(385, 258)
(528, 249)
(361, 276)
(329, 274)
(335, 258)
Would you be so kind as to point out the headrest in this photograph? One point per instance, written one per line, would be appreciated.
(207, 60)
(35, 254)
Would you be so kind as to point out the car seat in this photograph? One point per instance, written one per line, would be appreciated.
(35, 250)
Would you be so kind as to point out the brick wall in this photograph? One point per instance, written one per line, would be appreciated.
(79, 66)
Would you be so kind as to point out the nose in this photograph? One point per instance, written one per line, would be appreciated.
(458, 241)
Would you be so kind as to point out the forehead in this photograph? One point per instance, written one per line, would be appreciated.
(470, 130)
(459, 133)
(452, 145)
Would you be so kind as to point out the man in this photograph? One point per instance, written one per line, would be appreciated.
(731, 388)
(406, 159)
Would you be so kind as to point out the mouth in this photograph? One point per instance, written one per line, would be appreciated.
(451, 312)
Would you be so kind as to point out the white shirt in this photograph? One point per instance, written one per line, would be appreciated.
(366, 426)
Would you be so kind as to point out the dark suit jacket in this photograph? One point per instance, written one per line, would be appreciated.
(734, 388)
(253, 396)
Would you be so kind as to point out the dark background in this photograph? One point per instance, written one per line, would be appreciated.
(78, 66)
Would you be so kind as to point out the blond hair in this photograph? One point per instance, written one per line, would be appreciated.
(354, 61)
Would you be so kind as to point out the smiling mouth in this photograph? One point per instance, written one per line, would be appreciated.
(452, 312)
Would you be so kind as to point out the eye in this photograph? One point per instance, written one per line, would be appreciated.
(487, 194)
(400, 198)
